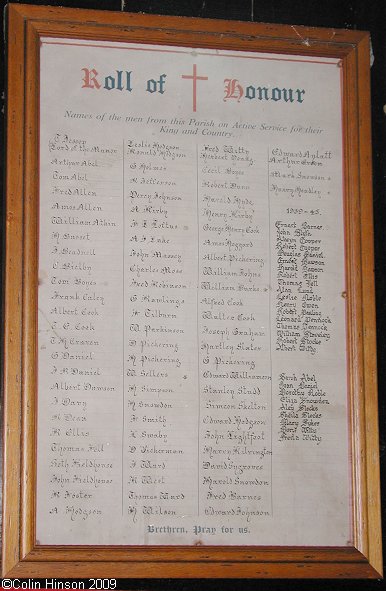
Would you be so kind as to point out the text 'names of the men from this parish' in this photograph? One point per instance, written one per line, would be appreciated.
(192, 361)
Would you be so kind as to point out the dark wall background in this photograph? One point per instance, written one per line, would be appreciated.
(350, 14)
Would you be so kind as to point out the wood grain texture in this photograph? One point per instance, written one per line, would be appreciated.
(22, 556)
(354, 300)
(195, 569)
(13, 293)
(371, 433)
(30, 293)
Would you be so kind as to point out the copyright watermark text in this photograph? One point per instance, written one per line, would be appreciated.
(97, 584)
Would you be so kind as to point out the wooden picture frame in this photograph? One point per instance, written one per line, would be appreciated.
(22, 556)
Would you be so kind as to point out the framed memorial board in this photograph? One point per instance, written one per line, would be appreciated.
(190, 378)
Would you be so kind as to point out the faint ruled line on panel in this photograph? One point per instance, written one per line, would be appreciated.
(123, 315)
(269, 310)
(198, 336)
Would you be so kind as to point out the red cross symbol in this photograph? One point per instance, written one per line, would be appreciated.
(194, 78)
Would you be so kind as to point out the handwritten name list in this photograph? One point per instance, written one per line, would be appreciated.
(191, 341)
